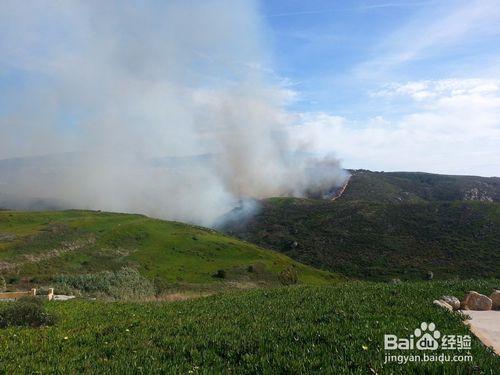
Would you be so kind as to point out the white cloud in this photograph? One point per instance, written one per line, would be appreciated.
(450, 95)
(454, 128)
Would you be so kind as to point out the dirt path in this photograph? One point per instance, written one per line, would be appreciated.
(486, 326)
(341, 191)
(35, 258)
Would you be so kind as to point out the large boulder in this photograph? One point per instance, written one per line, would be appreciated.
(442, 304)
(453, 301)
(476, 301)
(495, 299)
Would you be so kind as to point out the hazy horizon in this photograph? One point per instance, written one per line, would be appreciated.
(286, 95)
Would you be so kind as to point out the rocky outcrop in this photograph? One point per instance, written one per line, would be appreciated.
(476, 301)
(475, 194)
(495, 299)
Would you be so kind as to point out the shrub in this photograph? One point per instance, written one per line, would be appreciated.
(27, 311)
(220, 274)
(257, 268)
(42, 291)
(161, 286)
(3, 284)
(88, 283)
(66, 289)
(126, 283)
(289, 276)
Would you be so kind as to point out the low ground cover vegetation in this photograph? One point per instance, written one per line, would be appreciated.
(296, 329)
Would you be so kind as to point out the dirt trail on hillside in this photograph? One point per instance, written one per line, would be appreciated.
(486, 326)
(36, 258)
(341, 191)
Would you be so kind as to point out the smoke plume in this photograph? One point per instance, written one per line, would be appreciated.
(162, 108)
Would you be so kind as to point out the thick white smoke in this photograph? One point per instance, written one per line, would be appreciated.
(133, 87)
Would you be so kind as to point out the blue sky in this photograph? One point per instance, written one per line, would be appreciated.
(382, 84)
(334, 52)
(318, 44)
(374, 70)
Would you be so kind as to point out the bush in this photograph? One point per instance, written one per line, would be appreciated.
(87, 283)
(257, 268)
(127, 283)
(289, 276)
(220, 274)
(27, 311)
(3, 284)
(42, 291)
(161, 286)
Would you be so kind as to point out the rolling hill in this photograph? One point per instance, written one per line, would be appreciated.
(37, 248)
(388, 225)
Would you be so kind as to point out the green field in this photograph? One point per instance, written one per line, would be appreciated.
(38, 247)
(295, 330)
(322, 325)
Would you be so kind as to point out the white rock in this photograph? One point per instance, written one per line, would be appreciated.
(453, 301)
(442, 304)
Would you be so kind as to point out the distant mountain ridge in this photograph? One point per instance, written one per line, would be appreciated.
(387, 225)
(397, 187)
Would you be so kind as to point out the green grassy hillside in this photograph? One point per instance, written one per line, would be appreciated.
(397, 187)
(293, 330)
(38, 247)
(380, 241)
